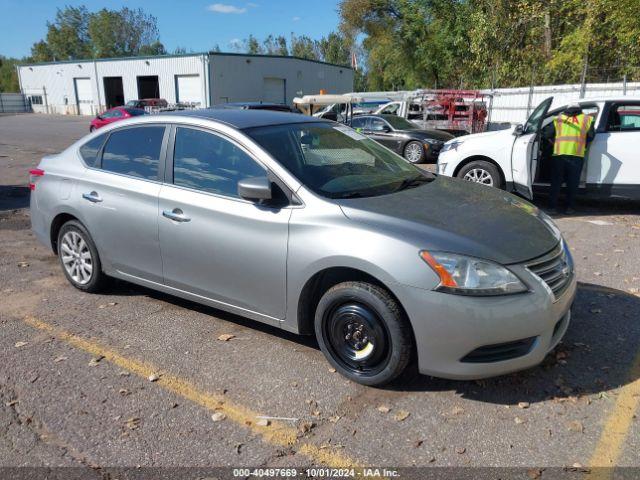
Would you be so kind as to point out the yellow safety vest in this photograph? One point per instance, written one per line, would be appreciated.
(571, 134)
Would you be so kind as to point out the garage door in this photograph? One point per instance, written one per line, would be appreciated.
(188, 89)
(273, 90)
(84, 96)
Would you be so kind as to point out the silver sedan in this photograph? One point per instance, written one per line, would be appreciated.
(309, 226)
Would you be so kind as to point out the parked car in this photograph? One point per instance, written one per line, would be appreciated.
(147, 102)
(114, 115)
(277, 107)
(519, 159)
(402, 136)
(314, 228)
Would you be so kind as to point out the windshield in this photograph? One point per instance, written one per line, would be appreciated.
(400, 123)
(337, 162)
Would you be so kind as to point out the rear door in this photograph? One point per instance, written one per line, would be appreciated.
(118, 199)
(613, 158)
(524, 155)
(215, 244)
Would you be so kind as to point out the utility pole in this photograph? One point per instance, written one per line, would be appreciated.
(583, 79)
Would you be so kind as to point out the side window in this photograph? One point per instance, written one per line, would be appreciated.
(377, 125)
(134, 151)
(205, 161)
(624, 118)
(89, 151)
(359, 122)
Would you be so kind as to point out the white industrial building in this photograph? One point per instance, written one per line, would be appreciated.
(88, 87)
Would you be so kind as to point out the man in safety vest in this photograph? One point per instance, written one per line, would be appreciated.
(573, 131)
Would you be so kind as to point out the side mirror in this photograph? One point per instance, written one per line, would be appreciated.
(519, 130)
(386, 128)
(99, 117)
(255, 189)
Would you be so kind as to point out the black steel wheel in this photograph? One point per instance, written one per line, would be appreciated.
(363, 333)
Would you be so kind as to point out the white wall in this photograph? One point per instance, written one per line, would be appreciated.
(234, 78)
(510, 104)
(58, 79)
(239, 78)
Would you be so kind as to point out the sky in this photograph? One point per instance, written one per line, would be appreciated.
(196, 25)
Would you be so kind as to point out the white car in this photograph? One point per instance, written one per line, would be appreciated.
(519, 158)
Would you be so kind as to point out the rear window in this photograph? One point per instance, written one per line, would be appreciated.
(90, 150)
(135, 111)
(134, 152)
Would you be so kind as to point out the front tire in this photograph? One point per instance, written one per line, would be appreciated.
(363, 333)
(79, 258)
(414, 152)
(482, 172)
(91, 128)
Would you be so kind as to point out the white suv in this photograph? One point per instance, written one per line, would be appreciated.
(518, 158)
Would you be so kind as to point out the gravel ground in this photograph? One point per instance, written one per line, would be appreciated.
(63, 405)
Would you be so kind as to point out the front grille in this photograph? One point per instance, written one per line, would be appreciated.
(499, 351)
(555, 269)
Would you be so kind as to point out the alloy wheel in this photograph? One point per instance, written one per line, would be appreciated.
(479, 175)
(76, 257)
(413, 152)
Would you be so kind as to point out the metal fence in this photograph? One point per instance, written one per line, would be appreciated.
(513, 105)
(14, 103)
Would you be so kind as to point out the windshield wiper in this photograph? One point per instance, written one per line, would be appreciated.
(412, 182)
(349, 195)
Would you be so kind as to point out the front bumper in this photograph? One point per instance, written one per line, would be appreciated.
(449, 327)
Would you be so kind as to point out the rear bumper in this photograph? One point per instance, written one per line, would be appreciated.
(449, 328)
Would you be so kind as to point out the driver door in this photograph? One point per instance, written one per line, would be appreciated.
(524, 155)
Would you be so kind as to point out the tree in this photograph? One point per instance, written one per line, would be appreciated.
(124, 33)
(334, 48)
(275, 45)
(67, 36)
(77, 33)
(8, 75)
(304, 47)
(252, 46)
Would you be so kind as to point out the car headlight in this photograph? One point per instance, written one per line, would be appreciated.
(432, 141)
(464, 275)
(451, 145)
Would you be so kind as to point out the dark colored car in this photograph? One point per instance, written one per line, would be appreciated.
(402, 136)
(277, 107)
(113, 115)
(147, 102)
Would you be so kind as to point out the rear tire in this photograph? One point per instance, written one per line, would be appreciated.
(414, 152)
(79, 258)
(363, 333)
(482, 172)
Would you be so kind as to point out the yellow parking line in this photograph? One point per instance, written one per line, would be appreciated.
(610, 447)
(276, 433)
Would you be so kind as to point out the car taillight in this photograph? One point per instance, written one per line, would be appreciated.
(34, 173)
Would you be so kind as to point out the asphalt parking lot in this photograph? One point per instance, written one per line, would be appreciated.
(137, 378)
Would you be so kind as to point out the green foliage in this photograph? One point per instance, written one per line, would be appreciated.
(8, 75)
(77, 33)
(479, 43)
(334, 48)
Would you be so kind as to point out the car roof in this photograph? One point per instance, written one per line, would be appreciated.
(242, 119)
(251, 104)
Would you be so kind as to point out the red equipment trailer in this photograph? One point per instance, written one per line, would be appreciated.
(457, 111)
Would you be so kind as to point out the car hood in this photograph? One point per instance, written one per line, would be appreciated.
(507, 132)
(461, 217)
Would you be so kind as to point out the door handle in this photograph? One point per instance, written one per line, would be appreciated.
(176, 214)
(92, 197)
